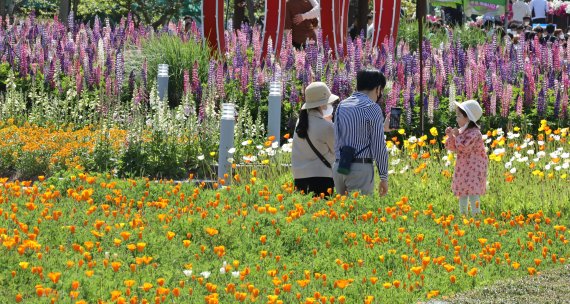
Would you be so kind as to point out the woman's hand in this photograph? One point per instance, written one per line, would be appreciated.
(448, 131)
(455, 132)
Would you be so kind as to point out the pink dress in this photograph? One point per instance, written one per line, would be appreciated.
(470, 176)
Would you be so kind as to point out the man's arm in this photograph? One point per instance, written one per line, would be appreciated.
(378, 142)
(314, 13)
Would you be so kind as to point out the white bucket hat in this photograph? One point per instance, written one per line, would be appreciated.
(318, 94)
(472, 108)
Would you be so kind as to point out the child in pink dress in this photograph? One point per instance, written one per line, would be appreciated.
(470, 176)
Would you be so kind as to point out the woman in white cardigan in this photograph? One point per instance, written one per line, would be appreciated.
(313, 142)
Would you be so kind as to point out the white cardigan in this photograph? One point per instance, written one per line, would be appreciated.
(305, 163)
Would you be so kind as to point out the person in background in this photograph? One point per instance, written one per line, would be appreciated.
(540, 9)
(370, 27)
(520, 10)
(558, 36)
(313, 142)
(550, 33)
(302, 19)
(527, 21)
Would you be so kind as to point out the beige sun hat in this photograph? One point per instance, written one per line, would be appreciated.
(472, 109)
(318, 94)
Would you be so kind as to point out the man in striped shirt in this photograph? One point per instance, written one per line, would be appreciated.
(359, 123)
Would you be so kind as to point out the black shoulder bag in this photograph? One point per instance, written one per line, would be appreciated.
(319, 155)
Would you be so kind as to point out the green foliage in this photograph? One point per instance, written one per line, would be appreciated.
(178, 54)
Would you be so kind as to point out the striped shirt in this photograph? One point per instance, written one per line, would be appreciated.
(359, 122)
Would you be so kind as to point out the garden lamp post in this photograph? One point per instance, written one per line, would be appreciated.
(162, 81)
(274, 116)
(227, 124)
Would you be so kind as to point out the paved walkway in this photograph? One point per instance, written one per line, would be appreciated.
(551, 286)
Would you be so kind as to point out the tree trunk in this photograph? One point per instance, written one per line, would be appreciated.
(64, 8)
(239, 15)
(3, 9)
(362, 15)
(251, 12)
(74, 6)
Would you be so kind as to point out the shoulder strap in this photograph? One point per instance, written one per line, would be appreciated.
(319, 155)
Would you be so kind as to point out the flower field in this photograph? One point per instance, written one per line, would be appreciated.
(81, 238)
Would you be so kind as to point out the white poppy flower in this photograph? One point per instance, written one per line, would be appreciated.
(201, 157)
(513, 170)
(235, 274)
(232, 150)
(205, 274)
(187, 272)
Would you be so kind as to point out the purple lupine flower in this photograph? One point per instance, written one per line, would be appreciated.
(71, 22)
(506, 102)
(541, 103)
(358, 55)
(564, 104)
(557, 102)
(294, 96)
(186, 84)
(220, 82)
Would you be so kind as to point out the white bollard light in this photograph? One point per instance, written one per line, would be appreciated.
(274, 115)
(227, 125)
(162, 81)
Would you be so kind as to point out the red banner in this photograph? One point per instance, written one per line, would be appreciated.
(274, 25)
(334, 19)
(213, 23)
(386, 20)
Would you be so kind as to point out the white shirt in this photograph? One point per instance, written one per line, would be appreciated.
(305, 163)
(370, 31)
(540, 8)
(315, 12)
(520, 10)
